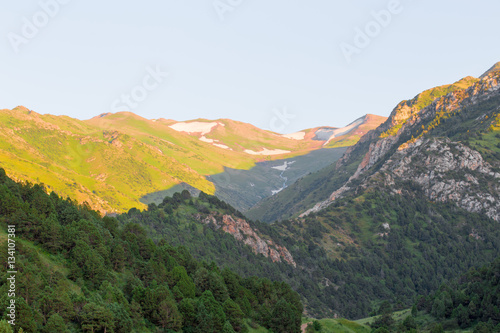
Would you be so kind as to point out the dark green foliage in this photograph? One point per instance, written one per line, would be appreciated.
(55, 324)
(123, 321)
(96, 317)
(437, 328)
(316, 326)
(227, 328)
(381, 330)
(284, 318)
(428, 243)
(182, 281)
(168, 315)
(80, 272)
(473, 298)
(384, 321)
(385, 308)
(234, 314)
(409, 323)
(187, 308)
(414, 310)
(488, 327)
(214, 317)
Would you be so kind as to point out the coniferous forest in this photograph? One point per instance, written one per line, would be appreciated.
(78, 272)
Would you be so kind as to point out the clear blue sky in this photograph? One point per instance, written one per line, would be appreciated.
(264, 55)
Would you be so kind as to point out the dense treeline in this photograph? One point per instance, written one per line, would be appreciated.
(472, 299)
(78, 272)
(177, 220)
(347, 261)
(357, 262)
(471, 302)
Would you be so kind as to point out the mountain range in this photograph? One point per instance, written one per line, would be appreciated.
(412, 204)
(119, 161)
(359, 221)
(459, 116)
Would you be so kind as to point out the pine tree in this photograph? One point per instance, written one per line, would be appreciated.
(25, 316)
(414, 310)
(118, 257)
(183, 281)
(214, 309)
(168, 315)
(55, 324)
(227, 328)
(462, 315)
(438, 328)
(204, 320)
(283, 318)
(96, 317)
(188, 312)
(50, 233)
(123, 321)
(234, 314)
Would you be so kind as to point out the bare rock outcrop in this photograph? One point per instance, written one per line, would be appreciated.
(445, 170)
(243, 232)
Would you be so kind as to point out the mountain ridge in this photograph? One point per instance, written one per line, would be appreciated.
(486, 88)
(335, 179)
(494, 68)
(112, 160)
(410, 206)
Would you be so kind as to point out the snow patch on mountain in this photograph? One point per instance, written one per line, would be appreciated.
(266, 152)
(220, 145)
(284, 166)
(295, 136)
(195, 127)
(345, 130)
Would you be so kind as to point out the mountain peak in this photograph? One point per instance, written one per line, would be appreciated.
(494, 68)
(21, 108)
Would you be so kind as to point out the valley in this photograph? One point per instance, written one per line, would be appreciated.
(243, 189)
(113, 160)
(385, 225)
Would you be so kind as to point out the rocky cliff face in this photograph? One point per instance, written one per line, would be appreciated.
(446, 171)
(242, 231)
(410, 147)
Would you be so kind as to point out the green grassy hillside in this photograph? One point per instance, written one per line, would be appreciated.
(109, 169)
(113, 160)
